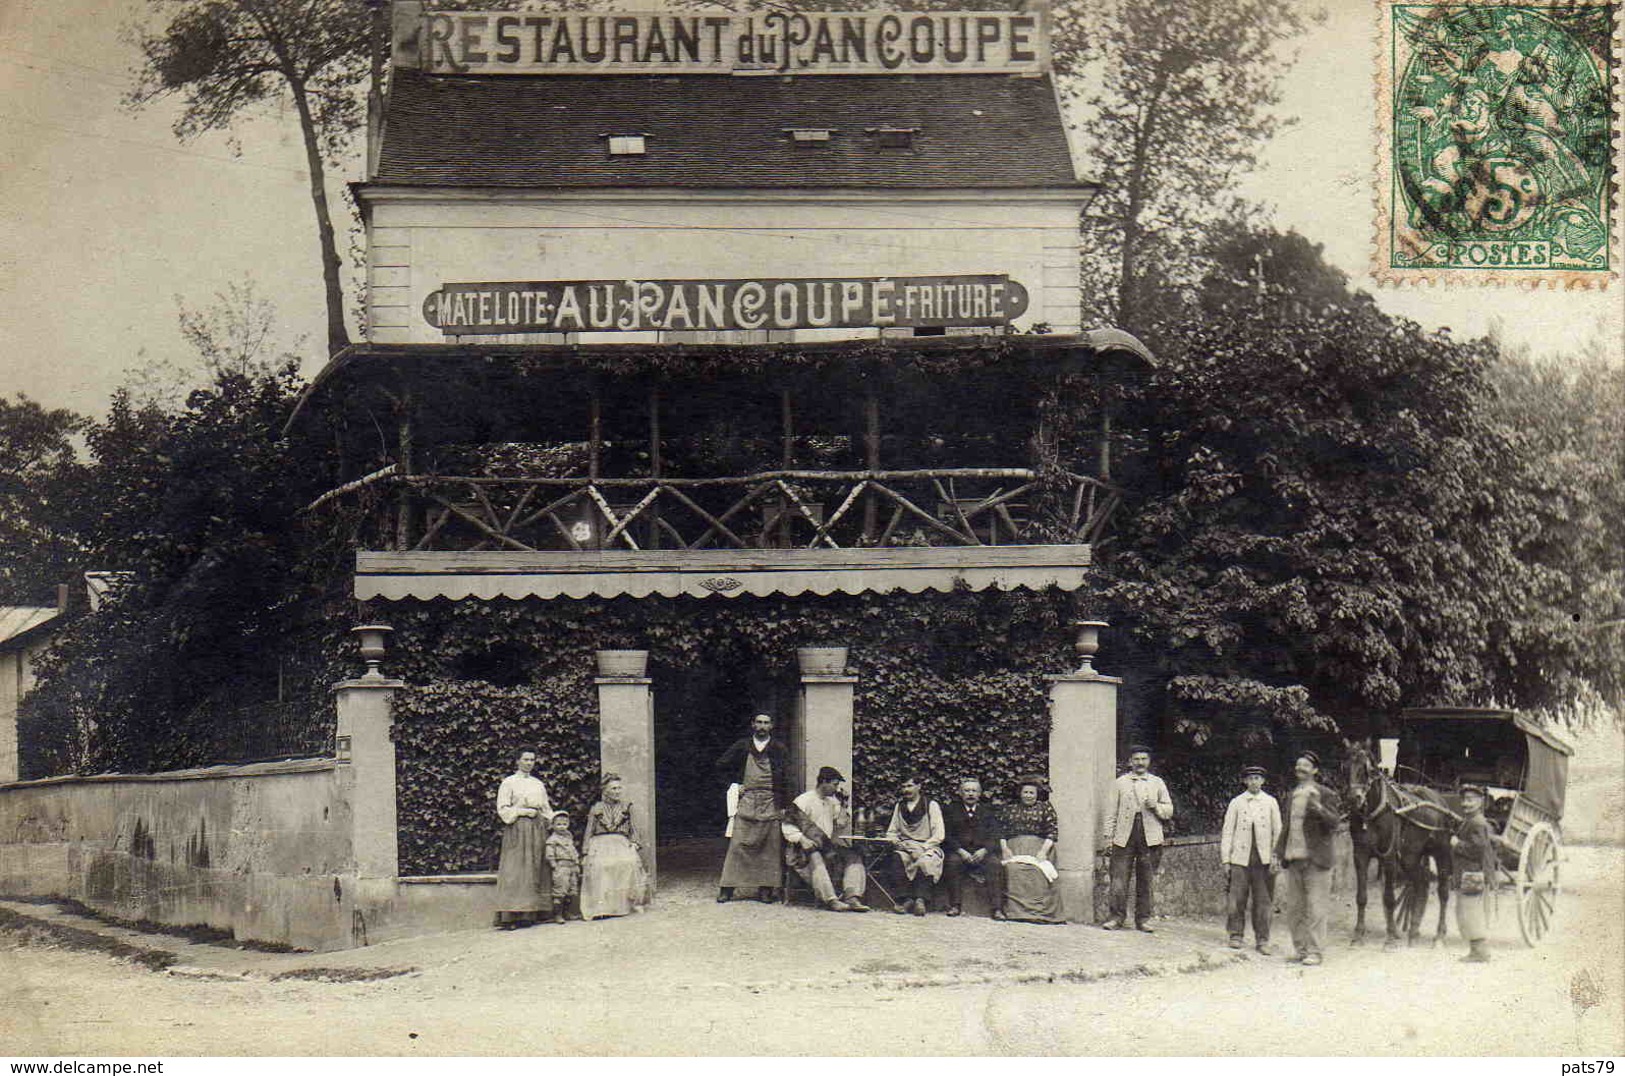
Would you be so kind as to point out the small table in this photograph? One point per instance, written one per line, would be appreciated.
(873, 851)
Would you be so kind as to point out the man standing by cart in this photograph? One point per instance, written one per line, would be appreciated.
(1476, 870)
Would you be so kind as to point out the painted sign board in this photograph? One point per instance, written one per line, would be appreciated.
(772, 42)
(555, 306)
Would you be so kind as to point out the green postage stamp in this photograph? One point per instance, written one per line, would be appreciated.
(1498, 159)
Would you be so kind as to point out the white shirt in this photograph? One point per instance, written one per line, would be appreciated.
(1253, 820)
(522, 790)
(825, 812)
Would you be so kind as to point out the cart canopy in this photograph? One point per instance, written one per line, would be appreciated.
(1548, 773)
(1454, 743)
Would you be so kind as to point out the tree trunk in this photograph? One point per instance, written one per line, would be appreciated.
(1128, 282)
(338, 337)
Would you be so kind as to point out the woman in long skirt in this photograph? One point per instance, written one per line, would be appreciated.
(613, 879)
(1030, 831)
(524, 884)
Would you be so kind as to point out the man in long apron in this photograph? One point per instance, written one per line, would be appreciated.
(758, 764)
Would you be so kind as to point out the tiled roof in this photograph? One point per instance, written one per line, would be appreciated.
(974, 131)
(19, 620)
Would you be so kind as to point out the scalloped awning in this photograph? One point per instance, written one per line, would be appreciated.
(711, 573)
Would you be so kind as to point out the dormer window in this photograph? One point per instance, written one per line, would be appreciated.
(893, 137)
(810, 136)
(627, 145)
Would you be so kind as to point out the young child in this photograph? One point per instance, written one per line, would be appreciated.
(565, 863)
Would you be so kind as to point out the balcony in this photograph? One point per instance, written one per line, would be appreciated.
(717, 470)
(778, 509)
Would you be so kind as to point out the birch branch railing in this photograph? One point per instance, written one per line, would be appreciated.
(769, 509)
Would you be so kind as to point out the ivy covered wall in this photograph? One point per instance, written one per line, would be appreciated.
(948, 684)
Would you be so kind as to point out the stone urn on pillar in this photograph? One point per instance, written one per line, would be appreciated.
(1087, 644)
(372, 637)
(1082, 757)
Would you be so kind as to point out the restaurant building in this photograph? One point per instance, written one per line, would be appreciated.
(698, 310)
(714, 363)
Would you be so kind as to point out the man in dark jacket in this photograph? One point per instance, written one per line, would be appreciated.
(1476, 871)
(758, 765)
(971, 847)
(1309, 823)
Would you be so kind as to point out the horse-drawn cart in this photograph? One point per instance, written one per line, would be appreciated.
(1525, 767)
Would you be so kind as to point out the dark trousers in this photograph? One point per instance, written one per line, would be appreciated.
(920, 888)
(955, 870)
(1143, 861)
(1257, 884)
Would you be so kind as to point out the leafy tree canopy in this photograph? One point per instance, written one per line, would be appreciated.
(199, 507)
(1338, 520)
(37, 469)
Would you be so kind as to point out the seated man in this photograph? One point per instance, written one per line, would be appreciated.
(971, 848)
(816, 827)
(916, 832)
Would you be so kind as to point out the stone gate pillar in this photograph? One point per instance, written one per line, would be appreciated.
(827, 693)
(626, 742)
(366, 757)
(1082, 767)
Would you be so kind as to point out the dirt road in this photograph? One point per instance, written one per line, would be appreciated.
(1563, 998)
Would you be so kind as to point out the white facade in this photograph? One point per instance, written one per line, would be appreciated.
(419, 239)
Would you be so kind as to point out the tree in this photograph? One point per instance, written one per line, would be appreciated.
(1568, 421)
(1182, 99)
(37, 469)
(1250, 268)
(215, 583)
(224, 57)
(236, 333)
(1337, 517)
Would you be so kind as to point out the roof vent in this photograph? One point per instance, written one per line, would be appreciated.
(807, 136)
(893, 137)
(627, 145)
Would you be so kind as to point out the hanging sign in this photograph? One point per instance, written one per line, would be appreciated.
(557, 306)
(774, 42)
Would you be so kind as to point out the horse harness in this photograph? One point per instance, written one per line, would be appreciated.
(1408, 802)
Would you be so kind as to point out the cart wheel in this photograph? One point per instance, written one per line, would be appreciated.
(1537, 882)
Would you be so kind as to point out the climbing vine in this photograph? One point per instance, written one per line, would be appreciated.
(948, 684)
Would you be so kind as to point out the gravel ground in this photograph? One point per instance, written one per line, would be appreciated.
(694, 977)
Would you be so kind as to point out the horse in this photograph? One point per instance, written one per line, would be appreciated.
(1357, 768)
(1405, 828)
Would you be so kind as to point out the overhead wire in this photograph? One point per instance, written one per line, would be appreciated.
(100, 136)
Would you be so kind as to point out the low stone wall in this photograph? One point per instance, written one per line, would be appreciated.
(1192, 882)
(261, 850)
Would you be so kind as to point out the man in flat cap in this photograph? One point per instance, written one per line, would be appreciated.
(1476, 871)
(1305, 849)
(1252, 823)
(1140, 805)
(816, 828)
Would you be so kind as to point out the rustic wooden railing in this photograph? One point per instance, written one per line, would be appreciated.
(782, 508)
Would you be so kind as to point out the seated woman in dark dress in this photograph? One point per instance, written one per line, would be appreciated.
(1030, 832)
